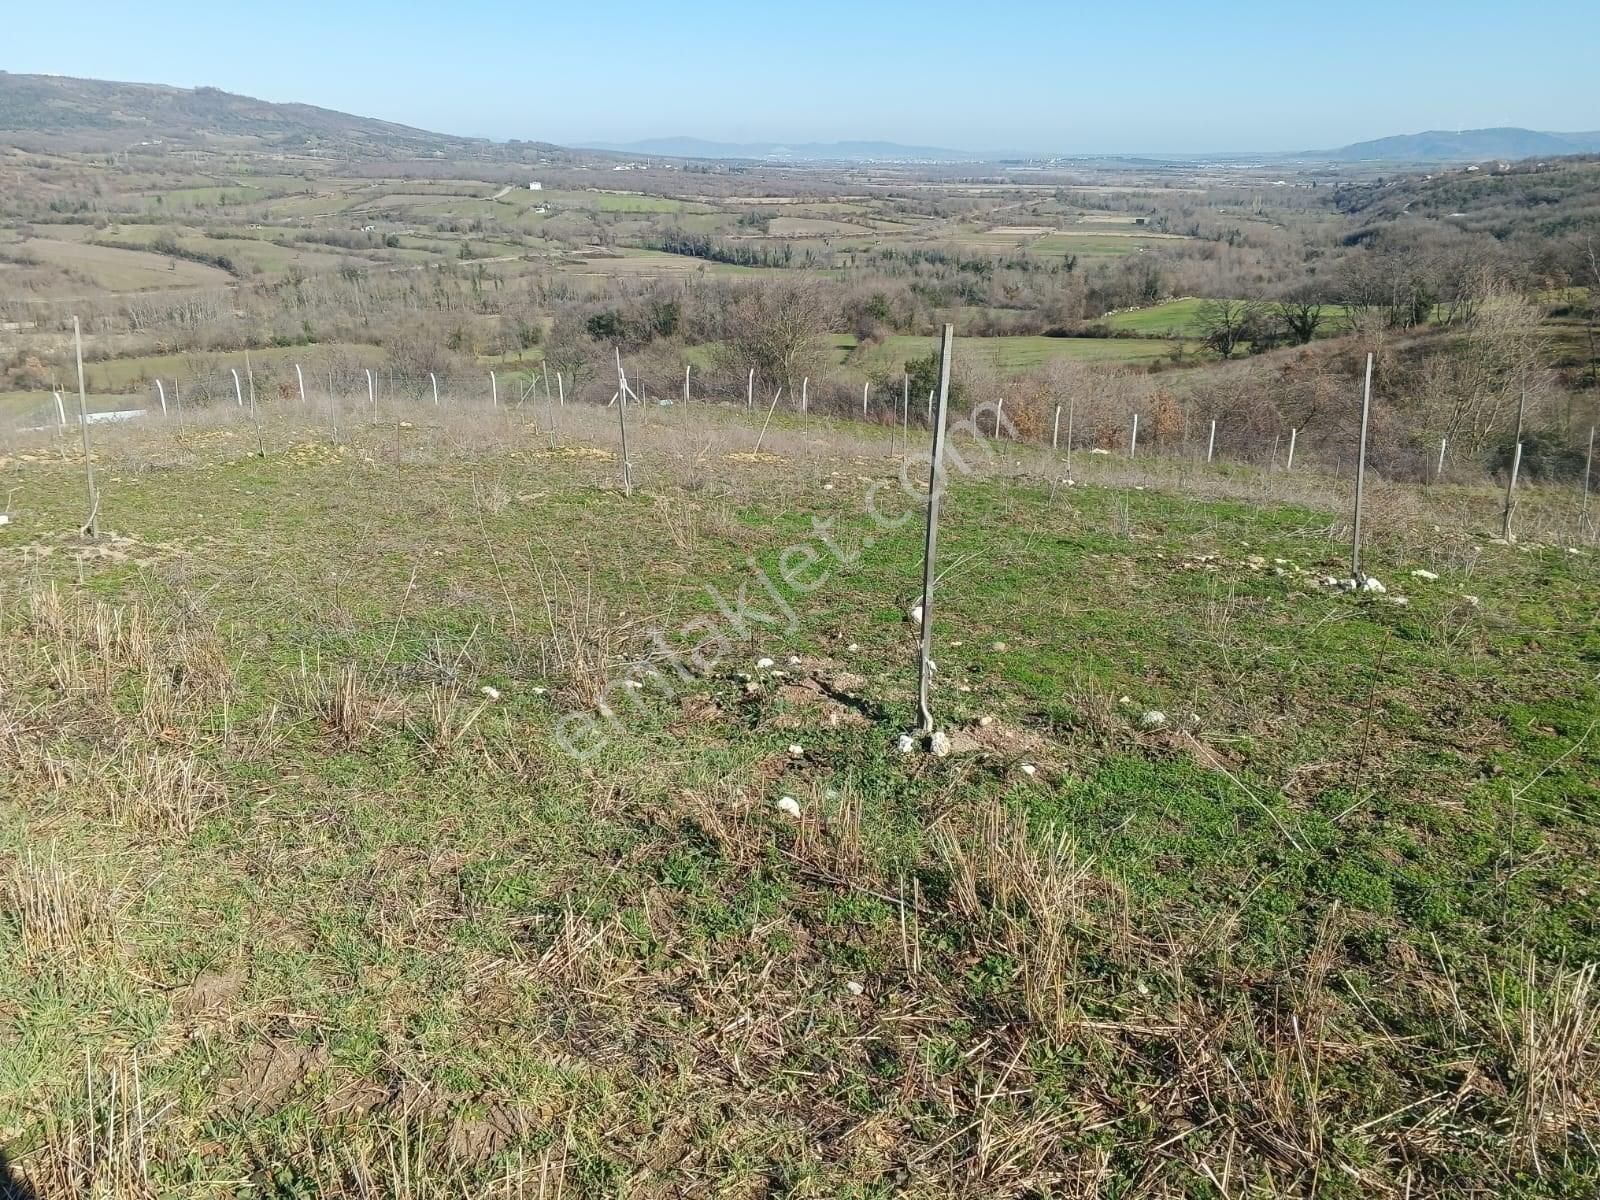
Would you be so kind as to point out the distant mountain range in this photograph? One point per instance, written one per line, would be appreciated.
(1465, 145)
(96, 112)
(853, 152)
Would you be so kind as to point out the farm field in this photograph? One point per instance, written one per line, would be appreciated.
(1010, 355)
(121, 270)
(314, 858)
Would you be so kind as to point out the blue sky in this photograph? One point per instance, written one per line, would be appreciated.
(1106, 76)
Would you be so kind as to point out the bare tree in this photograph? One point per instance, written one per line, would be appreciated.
(1227, 324)
(781, 329)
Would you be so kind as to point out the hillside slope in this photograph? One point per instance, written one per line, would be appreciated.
(64, 107)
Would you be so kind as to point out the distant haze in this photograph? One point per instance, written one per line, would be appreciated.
(1034, 75)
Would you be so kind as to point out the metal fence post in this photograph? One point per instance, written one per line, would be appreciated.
(1361, 476)
(931, 544)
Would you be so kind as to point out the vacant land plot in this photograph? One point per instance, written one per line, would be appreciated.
(304, 896)
(122, 270)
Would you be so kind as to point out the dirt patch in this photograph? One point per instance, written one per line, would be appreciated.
(809, 703)
(270, 1074)
(209, 994)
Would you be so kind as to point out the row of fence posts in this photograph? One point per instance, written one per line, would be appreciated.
(625, 391)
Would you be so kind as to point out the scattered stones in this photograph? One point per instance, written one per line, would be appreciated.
(789, 806)
(1372, 584)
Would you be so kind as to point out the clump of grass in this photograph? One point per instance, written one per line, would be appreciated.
(341, 702)
(1552, 1035)
(55, 910)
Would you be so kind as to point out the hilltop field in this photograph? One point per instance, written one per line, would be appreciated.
(328, 875)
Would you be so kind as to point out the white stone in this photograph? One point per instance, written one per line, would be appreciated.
(905, 743)
(492, 693)
(1153, 718)
(1419, 573)
(854, 988)
(915, 614)
(985, 720)
(795, 750)
(763, 664)
(789, 805)
(939, 744)
(1028, 768)
(998, 647)
(1372, 584)
(852, 648)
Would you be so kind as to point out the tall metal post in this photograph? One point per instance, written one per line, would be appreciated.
(433, 379)
(1211, 445)
(1133, 441)
(91, 527)
(865, 388)
(494, 391)
(936, 476)
(1293, 435)
(686, 367)
(1361, 476)
(1055, 433)
(622, 419)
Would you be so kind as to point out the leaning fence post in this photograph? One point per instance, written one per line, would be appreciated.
(805, 385)
(91, 527)
(1289, 466)
(238, 392)
(300, 378)
(1588, 468)
(622, 419)
(1438, 473)
(1055, 433)
(1511, 493)
(1516, 462)
(1361, 476)
(761, 437)
(162, 393)
(999, 407)
(931, 544)
(372, 399)
(750, 389)
(1211, 445)
(434, 379)
(61, 411)
(1133, 441)
(686, 368)
(865, 388)
(494, 391)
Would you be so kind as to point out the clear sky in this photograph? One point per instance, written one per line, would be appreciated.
(1112, 75)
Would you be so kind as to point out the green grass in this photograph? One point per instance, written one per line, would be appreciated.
(1012, 355)
(422, 933)
(1182, 318)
